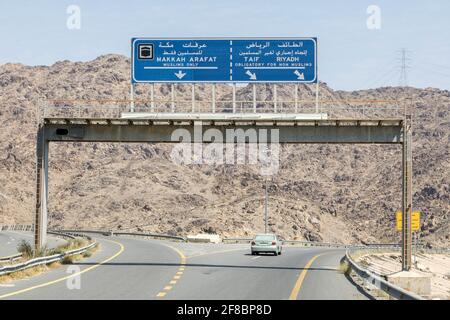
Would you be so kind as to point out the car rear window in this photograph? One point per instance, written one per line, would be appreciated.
(265, 237)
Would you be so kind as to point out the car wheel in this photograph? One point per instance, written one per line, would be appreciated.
(279, 252)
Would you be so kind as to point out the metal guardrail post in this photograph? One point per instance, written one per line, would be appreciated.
(193, 97)
(234, 98)
(152, 97)
(275, 98)
(213, 98)
(296, 98)
(254, 98)
(172, 97)
(132, 97)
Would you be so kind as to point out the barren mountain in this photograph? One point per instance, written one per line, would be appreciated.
(321, 192)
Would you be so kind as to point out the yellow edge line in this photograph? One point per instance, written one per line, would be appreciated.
(180, 253)
(122, 248)
(301, 277)
(178, 274)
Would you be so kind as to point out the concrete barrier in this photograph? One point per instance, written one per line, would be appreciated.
(207, 238)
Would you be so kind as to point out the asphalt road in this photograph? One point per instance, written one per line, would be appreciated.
(135, 268)
(9, 240)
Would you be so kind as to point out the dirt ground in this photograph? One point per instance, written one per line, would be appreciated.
(436, 265)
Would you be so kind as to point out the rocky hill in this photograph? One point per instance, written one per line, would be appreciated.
(322, 192)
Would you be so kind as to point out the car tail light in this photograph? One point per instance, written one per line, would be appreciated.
(253, 243)
(274, 243)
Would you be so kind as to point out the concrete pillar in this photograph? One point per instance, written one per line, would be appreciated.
(40, 229)
(406, 195)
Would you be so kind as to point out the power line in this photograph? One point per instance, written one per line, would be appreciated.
(385, 77)
(428, 70)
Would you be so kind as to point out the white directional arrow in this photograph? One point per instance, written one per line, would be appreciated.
(251, 75)
(180, 74)
(300, 76)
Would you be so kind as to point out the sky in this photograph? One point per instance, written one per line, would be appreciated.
(351, 55)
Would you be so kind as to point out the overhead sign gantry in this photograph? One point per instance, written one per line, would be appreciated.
(274, 60)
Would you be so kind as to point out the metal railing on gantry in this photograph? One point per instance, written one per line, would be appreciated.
(180, 101)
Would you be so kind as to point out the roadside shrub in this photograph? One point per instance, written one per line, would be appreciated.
(67, 260)
(26, 249)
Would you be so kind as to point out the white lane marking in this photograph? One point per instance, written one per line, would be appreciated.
(7, 285)
(329, 268)
(257, 257)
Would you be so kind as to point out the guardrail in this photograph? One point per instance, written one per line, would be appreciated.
(291, 242)
(14, 227)
(119, 233)
(314, 244)
(237, 240)
(11, 258)
(17, 227)
(44, 260)
(244, 103)
(377, 280)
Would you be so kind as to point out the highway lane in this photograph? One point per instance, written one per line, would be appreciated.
(239, 275)
(9, 240)
(121, 269)
(136, 268)
(339, 286)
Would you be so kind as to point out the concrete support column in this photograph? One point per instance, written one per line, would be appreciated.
(40, 228)
(406, 195)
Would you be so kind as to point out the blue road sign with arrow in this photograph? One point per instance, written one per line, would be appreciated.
(224, 60)
(261, 60)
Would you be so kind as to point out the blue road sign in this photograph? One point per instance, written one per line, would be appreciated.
(224, 60)
(180, 60)
(261, 60)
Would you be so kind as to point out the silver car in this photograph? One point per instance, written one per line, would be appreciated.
(269, 243)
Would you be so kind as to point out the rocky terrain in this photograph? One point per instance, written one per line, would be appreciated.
(322, 192)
